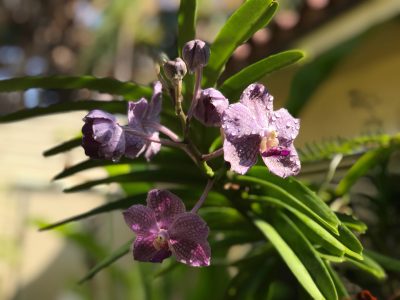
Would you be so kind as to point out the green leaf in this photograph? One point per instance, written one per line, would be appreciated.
(129, 90)
(340, 288)
(369, 265)
(311, 75)
(65, 146)
(290, 258)
(234, 85)
(186, 22)
(353, 245)
(309, 227)
(181, 175)
(241, 25)
(123, 250)
(297, 194)
(360, 168)
(352, 223)
(110, 106)
(118, 204)
(389, 263)
(306, 253)
(220, 218)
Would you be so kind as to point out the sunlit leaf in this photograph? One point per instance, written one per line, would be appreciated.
(290, 258)
(129, 90)
(234, 85)
(65, 146)
(241, 25)
(298, 195)
(186, 22)
(352, 223)
(109, 106)
(360, 168)
(369, 265)
(388, 263)
(306, 253)
(340, 288)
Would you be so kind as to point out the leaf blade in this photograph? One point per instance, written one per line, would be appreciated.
(255, 14)
(234, 85)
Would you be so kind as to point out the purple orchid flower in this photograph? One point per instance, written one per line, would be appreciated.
(144, 118)
(102, 136)
(163, 228)
(252, 127)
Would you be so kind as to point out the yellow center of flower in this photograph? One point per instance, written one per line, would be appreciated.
(269, 141)
(161, 240)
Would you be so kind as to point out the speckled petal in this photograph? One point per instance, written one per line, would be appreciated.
(242, 153)
(134, 145)
(286, 126)
(257, 99)
(99, 114)
(238, 121)
(153, 113)
(115, 147)
(210, 107)
(284, 166)
(189, 226)
(143, 250)
(191, 253)
(141, 220)
(165, 205)
(152, 148)
(137, 113)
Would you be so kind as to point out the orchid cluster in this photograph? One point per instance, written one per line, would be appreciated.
(249, 128)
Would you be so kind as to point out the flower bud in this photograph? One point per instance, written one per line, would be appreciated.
(175, 70)
(196, 54)
(210, 106)
(102, 136)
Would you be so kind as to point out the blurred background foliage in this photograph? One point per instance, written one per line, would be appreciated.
(345, 91)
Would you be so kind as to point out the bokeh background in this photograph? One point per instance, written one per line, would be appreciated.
(348, 84)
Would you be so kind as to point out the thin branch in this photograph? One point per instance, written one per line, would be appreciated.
(203, 197)
(212, 155)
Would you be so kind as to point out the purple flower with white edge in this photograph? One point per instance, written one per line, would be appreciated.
(144, 119)
(210, 106)
(163, 228)
(251, 127)
(102, 136)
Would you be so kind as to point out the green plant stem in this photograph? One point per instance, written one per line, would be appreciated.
(178, 104)
(212, 155)
(203, 196)
(198, 75)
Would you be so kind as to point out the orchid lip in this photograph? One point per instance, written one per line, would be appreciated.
(276, 151)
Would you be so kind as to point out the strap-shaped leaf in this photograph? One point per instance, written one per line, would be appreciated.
(117, 254)
(220, 218)
(360, 168)
(340, 288)
(164, 157)
(296, 195)
(186, 22)
(241, 25)
(64, 146)
(306, 253)
(110, 106)
(118, 204)
(129, 90)
(234, 85)
(352, 223)
(389, 263)
(290, 258)
(311, 229)
(182, 175)
(369, 265)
